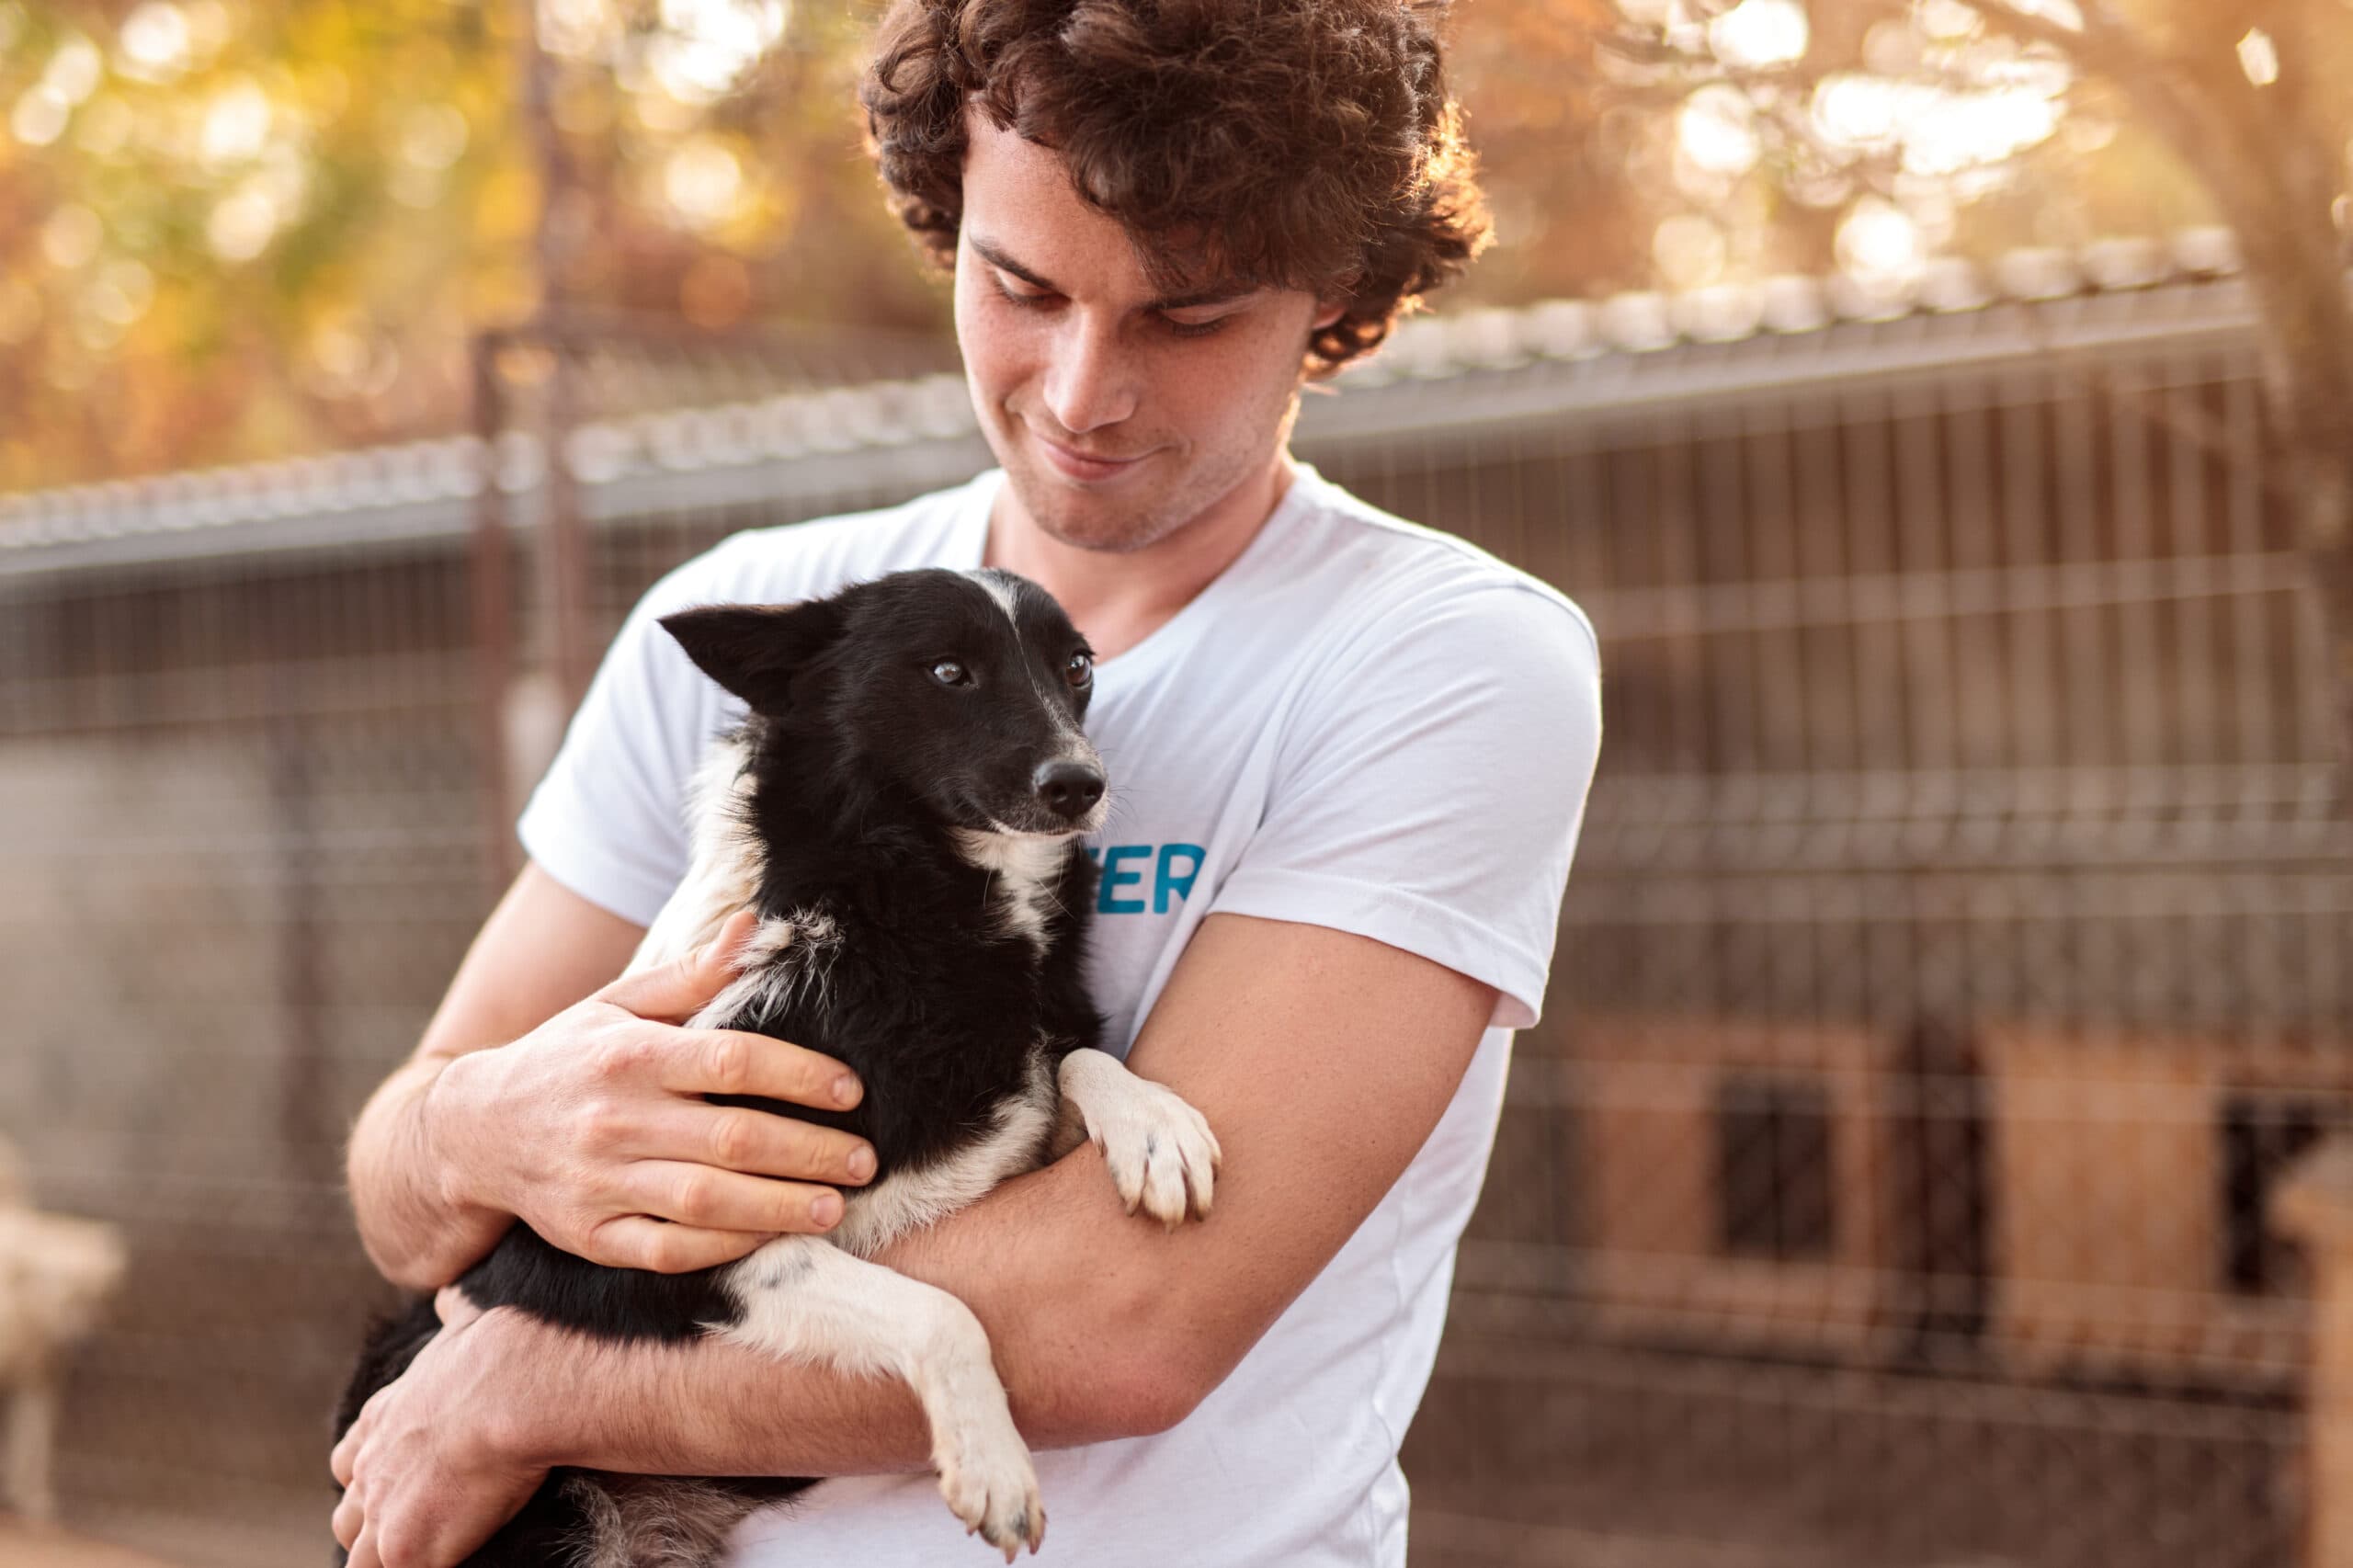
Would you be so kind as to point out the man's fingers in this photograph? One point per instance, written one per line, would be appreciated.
(756, 1143)
(347, 1451)
(350, 1517)
(634, 1241)
(674, 991)
(708, 1199)
(733, 1061)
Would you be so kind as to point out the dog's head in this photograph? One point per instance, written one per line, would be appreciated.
(964, 690)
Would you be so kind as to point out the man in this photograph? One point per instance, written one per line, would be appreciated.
(1350, 757)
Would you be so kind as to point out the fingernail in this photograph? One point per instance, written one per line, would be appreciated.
(825, 1209)
(846, 1090)
(861, 1162)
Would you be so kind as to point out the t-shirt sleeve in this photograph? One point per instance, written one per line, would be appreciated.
(607, 820)
(1430, 789)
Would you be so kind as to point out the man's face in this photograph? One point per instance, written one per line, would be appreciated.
(1120, 412)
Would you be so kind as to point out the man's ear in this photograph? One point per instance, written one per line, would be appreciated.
(756, 650)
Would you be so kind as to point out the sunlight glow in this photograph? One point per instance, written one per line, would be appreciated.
(236, 124)
(1880, 246)
(1757, 33)
(706, 46)
(701, 50)
(2019, 101)
(243, 224)
(40, 115)
(2259, 57)
(1716, 130)
(1947, 21)
(75, 70)
(703, 183)
(155, 42)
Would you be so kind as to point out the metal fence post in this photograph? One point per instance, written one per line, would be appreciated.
(2314, 1203)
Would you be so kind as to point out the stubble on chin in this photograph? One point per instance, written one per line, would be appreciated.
(1108, 528)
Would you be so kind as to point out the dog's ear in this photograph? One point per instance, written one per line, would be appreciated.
(756, 650)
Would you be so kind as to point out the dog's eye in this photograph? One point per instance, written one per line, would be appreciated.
(949, 672)
(1081, 669)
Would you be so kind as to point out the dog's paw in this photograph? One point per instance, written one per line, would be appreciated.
(986, 1476)
(1162, 1155)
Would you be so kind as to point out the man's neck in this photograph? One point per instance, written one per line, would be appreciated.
(1119, 600)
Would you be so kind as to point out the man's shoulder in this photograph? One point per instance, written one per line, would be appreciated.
(788, 561)
(1409, 579)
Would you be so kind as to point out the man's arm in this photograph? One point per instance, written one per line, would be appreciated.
(590, 1107)
(1322, 1060)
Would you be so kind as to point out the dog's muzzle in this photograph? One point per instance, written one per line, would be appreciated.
(1069, 790)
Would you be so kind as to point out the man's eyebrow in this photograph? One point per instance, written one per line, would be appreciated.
(1215, 294)
(1004, 263)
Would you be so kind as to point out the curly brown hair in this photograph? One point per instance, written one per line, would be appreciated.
(1290, 143)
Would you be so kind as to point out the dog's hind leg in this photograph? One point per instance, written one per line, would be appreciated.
(807, 1299)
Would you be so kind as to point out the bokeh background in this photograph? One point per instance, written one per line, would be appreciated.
(1930, 1154)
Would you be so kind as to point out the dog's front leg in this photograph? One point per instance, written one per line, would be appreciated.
(1161, 1153)
(807, 1299)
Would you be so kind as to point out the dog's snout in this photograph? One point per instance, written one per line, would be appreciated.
(1069, 789)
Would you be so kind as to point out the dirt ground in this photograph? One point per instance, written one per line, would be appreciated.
(24, 1545)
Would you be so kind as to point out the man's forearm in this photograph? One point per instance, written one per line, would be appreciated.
(710, 1407)
(416, 1232)
(1064, 1284)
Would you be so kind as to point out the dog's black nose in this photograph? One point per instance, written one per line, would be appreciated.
(1069, 789)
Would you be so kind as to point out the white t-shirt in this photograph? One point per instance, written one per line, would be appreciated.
(1361, 724)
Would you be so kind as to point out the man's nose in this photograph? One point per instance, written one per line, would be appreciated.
(1089, 384)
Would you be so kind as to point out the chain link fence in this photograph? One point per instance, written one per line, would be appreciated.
(1950, 971)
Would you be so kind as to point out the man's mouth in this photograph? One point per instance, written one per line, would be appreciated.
(1085, 466)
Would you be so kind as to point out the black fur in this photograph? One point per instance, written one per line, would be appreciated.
(866, 762)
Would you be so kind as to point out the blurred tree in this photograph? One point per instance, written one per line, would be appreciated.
(1895, 113)
(235, 229)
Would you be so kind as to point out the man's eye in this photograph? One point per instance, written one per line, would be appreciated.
(1027, 301)
(950, 672)
(1194, 329)
(1081, 669)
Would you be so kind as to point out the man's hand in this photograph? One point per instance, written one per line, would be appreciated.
(425, 1482)
(591, 1128)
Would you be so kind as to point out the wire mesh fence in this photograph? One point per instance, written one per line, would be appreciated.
(1949, 980)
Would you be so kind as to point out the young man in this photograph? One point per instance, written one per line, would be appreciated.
(1350, 757)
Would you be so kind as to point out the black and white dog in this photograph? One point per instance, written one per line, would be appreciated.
(902, 807)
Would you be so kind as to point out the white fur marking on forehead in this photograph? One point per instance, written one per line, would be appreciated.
(998, 586)
(1003, 587)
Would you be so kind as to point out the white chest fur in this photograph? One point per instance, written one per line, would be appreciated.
(723, 872)
(907, 1200)
(1022, 867)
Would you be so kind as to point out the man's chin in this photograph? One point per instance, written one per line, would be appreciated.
(1116, 526)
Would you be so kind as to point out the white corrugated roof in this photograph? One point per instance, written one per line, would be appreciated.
(425, 488)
